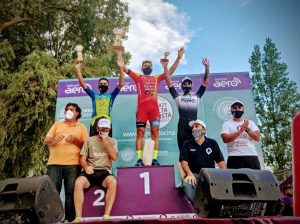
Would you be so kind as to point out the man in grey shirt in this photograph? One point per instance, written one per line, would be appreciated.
(97, 155)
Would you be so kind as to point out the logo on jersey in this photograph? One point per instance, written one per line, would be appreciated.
(222, 107)
(208, 151)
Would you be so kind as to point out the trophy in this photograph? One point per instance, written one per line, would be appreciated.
(117, 45)
(79, 48)
(166, 54)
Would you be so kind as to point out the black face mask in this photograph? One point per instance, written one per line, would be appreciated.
(186, 89)
(147, 70)
(103, 88)
(238, 113)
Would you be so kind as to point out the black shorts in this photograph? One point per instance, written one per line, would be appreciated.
(97, 177)
(236, 162)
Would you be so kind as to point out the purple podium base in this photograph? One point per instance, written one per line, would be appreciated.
(141, 191)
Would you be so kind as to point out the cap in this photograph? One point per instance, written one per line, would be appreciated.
(237, 103)
(186, 79)
(197, 122)
(103, 123)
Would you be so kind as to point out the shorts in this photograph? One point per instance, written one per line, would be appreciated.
(97, 177)
(237, 162)
(147, 112)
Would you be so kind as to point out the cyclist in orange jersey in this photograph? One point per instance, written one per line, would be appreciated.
(147, 109)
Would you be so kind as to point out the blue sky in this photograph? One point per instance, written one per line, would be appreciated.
(225, 31)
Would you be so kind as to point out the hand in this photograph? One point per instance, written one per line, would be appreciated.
(190, 179)
(104, 135)
(72, 140)
(78, 64)
(205, 62)
(164, 62)
(89, 170)
(58, 139)
(120, 61)
(245, 125)
(181, 52)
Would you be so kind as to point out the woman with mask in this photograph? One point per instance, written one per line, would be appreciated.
(102, 102)
(188, 103)
(240, 134)
(197, 153)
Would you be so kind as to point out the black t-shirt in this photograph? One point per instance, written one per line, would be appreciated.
(201, 156)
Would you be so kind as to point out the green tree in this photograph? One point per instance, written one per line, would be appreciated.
(57, 26)
(276, 101)
(37, 40)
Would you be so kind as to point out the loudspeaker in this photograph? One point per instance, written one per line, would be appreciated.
(236, 193)
(30, 200)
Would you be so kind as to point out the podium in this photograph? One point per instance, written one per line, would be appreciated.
(141, 191)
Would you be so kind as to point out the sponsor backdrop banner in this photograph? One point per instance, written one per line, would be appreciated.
(214, 109)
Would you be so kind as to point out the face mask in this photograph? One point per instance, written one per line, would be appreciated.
(238, 113)
(197, 133)
(186, 89)
(103, 133)
(103, 88)
(69, 114)
(147, 70)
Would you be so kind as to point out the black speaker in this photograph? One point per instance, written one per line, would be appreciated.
(236, 193)
(30, 200)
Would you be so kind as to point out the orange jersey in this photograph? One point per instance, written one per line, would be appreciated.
(147, 86)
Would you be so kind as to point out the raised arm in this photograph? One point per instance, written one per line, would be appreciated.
(206, 63)
(121, 77)
(164, 63)
(79, 75)
(121, 64)
(174, 66)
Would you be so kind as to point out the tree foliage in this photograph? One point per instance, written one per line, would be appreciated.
(276, 102)
(37, 40)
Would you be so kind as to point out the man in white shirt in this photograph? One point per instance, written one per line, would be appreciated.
(239, 134)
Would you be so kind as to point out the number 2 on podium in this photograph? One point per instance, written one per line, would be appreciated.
(145, 176)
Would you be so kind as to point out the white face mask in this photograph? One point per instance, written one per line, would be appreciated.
(69, 114)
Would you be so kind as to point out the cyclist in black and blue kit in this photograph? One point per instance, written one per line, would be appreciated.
(188, 103)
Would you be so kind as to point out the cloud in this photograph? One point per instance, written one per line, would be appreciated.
(155, 27)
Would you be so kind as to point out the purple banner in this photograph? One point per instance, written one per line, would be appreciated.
(217, 82)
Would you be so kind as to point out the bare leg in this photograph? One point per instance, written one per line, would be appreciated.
(139, 138)
(110, 183)
(81, 183)
(154, 136)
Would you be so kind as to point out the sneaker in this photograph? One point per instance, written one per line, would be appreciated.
(155, 162)
(77, 219)
(106, 217)
(139, 162)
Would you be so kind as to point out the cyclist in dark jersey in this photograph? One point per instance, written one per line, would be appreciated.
(101, 102)
(188, 104)
(147, 110)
